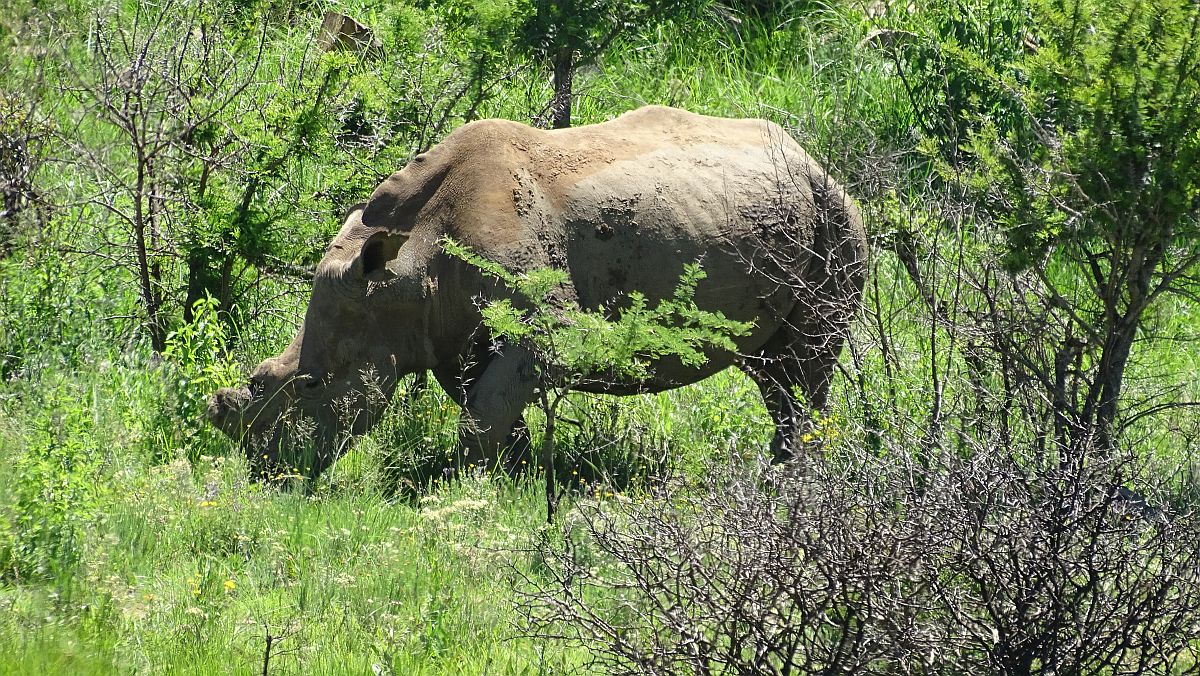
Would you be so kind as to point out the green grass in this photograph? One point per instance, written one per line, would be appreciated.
(185, 568)
(126, 557)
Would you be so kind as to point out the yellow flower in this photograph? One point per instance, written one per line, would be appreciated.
(230, 585)
(208, 503)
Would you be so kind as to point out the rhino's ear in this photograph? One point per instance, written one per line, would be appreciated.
(379, 250)
(397, 201)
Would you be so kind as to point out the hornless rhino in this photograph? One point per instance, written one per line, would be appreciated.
(621, 206)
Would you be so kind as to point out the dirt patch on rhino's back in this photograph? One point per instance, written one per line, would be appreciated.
(654, 185)
(559, 159)
(481, 162)
(635, 224)
(505, 181)
(658, 182)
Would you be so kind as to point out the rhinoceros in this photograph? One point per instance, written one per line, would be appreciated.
(621, 206)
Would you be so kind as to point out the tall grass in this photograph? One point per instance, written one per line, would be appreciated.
(123, 562)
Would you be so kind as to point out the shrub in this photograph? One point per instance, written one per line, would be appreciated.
(572, 347)
(198, 364)
(866, 564)
(54, 496)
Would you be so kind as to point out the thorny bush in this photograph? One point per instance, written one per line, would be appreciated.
(865, 563)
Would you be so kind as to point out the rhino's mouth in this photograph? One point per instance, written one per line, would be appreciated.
(225, 409)
(292, 447)
(296, 429)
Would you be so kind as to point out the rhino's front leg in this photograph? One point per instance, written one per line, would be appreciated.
(491, 426)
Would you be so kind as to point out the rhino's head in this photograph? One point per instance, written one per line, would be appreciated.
(364, 328)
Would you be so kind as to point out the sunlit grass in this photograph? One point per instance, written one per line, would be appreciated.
(188, 569)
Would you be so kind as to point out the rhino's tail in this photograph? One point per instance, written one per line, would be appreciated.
(838, 269)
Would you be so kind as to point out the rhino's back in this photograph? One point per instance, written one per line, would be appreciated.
(624, 205)
(634, 226)
(734, 195)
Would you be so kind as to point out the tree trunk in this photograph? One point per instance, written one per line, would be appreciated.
(564, 73)
(1111, 376)
(551, 411)
(201, 281)
(146, 277)
(548, 468)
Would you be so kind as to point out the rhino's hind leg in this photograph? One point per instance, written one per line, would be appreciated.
(801, 356)
(492, 425)
(775, 376)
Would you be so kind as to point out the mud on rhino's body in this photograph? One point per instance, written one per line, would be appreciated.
(621, 206)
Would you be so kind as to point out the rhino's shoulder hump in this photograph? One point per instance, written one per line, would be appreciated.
(482, 136)
(655, 124)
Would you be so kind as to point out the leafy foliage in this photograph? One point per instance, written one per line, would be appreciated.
(1082, 149)
(56, 496)
(198, 359)
(1109, 159)
(589, 26)
(51, 314)
(22, 137)
(574, 345)
(957, 71)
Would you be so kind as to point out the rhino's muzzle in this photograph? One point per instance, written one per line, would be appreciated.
(225, 408)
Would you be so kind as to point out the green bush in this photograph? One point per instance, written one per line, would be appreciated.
(1069, 132)
(54, 495)
(198, 364)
